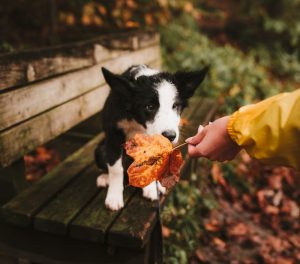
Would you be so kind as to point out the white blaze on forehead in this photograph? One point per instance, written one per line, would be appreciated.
(143, 70)
(146, 72)
(166, 117)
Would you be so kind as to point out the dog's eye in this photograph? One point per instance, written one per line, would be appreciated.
(150, 107)
(176, 106)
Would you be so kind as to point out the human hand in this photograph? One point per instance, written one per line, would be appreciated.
(213, 142)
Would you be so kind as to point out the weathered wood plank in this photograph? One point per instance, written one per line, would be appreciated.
(20, 104)
(156, 64)
(148, 39)
(20, 69)
(132, 40)
(134, 225)
(41, 247)
(204, 112)
(201, 113)
(23, 207)
(93, 222)
(24, 67)
(19, 140)
(187, 115)
(58, 213)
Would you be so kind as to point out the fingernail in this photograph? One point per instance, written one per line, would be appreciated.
(200, 128)
(188, 140)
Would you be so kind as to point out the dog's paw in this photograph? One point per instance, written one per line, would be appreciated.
(102, 180)
(114, 202)
(150, 192)
(161, 189)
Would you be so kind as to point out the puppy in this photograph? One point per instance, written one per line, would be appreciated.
(141, 100)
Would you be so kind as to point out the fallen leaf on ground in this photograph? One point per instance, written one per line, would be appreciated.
(275, 181)
(212, 226)
(295, 240)
(40, 162)
(200, 255)
(217, 174)
(219, 243)
(239, 229)
(272, 210)
(166, 232)
(282, 260)
(277, 244)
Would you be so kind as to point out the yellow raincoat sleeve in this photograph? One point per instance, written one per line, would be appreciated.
(270, 129)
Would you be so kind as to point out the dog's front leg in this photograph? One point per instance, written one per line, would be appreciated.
(150, 191)
(114, 197)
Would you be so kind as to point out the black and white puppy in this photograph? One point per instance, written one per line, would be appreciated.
(141, 100)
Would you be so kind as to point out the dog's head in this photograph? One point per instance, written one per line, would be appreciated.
(154, 99)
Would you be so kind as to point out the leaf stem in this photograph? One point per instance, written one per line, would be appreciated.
(180, 146)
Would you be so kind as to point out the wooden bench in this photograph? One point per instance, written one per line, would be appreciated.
(62, 217)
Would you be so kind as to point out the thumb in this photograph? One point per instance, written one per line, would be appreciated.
(193, 151)
(198, 137)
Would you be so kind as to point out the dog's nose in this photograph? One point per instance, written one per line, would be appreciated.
(169, 134)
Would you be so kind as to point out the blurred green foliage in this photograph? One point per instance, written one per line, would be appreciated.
(271, 31)
(182, 215)
(284, 64)
(271, 21)
(182, 210)
(234, 76)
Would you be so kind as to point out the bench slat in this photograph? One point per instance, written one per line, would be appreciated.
(134, 225)
(20, 71)
(25, 102)
(131, 41)
(19, 140)
(201, 115)
(58, 213)
(187, 114)
(22, 208)
(93, 222)
(206, 109)
(27, 66)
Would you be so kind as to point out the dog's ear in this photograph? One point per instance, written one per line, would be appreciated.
(188, 81)
(118, 83)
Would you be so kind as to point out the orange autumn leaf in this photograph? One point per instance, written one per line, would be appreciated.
(154, 159)
(219, 243)
(171, 177)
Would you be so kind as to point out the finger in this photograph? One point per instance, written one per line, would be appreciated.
(193, 151)
(197, 138)
(213, 151)
(200, 128)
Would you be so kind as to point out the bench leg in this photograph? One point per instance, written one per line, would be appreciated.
(15, 175)
(154, 253)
